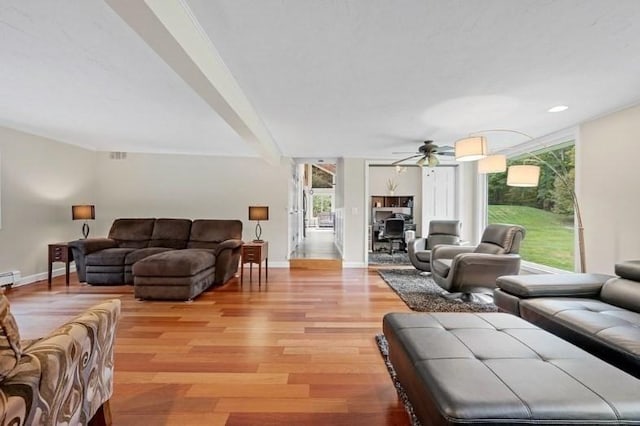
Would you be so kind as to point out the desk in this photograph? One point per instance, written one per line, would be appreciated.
(255, 252)
(59, 252)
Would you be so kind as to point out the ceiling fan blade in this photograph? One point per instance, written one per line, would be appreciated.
(450, 154)
(404, 152)
(405, 159)
(445, 148)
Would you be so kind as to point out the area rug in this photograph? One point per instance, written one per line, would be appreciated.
(422, 294)
(384, 258)
(383, 346)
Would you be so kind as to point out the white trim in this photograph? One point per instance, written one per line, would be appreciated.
(41, 276)
(561, 136)
(279, 264)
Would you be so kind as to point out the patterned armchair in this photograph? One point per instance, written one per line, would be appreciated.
(65, 378)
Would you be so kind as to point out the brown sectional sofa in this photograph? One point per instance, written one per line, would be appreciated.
(160, 252)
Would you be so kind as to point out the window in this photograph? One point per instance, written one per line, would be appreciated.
(545, 211)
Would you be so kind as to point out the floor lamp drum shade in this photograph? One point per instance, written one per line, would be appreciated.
(258, 213)
(471, 148)
(523, 175)
(84, 212)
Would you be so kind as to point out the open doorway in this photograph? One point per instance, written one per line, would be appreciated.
(318, 211)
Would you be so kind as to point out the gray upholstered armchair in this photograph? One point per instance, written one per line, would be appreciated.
(466, 270)
(440, 232)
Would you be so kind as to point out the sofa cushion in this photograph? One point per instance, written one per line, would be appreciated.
(171, 233)
(175, 263)
(10, 350)
(423, 255)
(140, 254)
(109, 257)
(598, 324)
(208, 233)
(134, 233)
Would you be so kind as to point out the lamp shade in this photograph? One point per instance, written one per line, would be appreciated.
(471, 148)
(523, 175)
(258, 213)
(492, 164)
(83, 212)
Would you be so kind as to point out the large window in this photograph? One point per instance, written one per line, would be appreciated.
(545, 211)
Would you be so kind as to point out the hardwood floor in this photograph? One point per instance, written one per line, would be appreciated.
(299, 350)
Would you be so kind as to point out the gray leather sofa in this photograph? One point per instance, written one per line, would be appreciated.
(599, 313)
(110, 261)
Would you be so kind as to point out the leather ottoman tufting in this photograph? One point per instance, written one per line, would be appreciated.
(174, 275)
(496, 368)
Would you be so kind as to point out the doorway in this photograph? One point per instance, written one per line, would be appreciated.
(317, 248)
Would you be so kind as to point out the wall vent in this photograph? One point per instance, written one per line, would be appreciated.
(9, 278)
(117, 155)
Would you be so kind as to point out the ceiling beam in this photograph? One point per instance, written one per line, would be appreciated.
(171, 30)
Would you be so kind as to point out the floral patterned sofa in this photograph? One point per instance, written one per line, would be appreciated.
(65, 378)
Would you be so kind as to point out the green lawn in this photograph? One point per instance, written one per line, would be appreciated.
(548, 239)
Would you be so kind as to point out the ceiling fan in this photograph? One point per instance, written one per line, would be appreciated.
(427, 153)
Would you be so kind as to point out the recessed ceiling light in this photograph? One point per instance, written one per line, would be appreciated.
(558, 108)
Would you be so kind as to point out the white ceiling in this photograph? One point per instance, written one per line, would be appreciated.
(332, 78)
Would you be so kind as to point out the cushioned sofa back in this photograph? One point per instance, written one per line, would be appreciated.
(208, 233)
(624, 292)
(132, 233)
(171, 233)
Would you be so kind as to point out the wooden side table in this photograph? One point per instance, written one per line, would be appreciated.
(255, 252)
(59, 252)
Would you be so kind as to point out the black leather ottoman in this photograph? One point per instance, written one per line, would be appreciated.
(496, 368)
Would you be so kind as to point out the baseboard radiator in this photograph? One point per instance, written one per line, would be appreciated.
(9, 278)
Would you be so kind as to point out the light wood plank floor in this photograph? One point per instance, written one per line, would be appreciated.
(300, 350)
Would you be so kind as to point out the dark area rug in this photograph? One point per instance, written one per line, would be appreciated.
(422, 294)
(384, 258)
(383, 346)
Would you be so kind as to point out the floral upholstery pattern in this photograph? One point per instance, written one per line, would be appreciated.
(63, 378)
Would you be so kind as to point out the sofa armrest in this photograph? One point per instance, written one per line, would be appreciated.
(554, 285)
(81, 248)
(65, 377)
(228, 244)
(481, 269)
(445, 251)
(90, 245)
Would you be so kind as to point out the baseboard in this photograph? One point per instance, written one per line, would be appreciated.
(30, 279)
(354, 264)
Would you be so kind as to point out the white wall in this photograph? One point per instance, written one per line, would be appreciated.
(607, 153)
(352, 196)
(41, 180)
(196, 187)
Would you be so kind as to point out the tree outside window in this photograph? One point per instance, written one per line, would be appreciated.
(546, 211)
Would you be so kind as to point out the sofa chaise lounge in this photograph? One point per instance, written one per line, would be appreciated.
(206, 250)
(599, 313)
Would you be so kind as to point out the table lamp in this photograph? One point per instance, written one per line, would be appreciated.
(84, 212)
(258, 213)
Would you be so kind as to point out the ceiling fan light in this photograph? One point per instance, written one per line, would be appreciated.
(524, 175)
(433, 161)
(496, 163)
(421, 161)
(471, 148)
